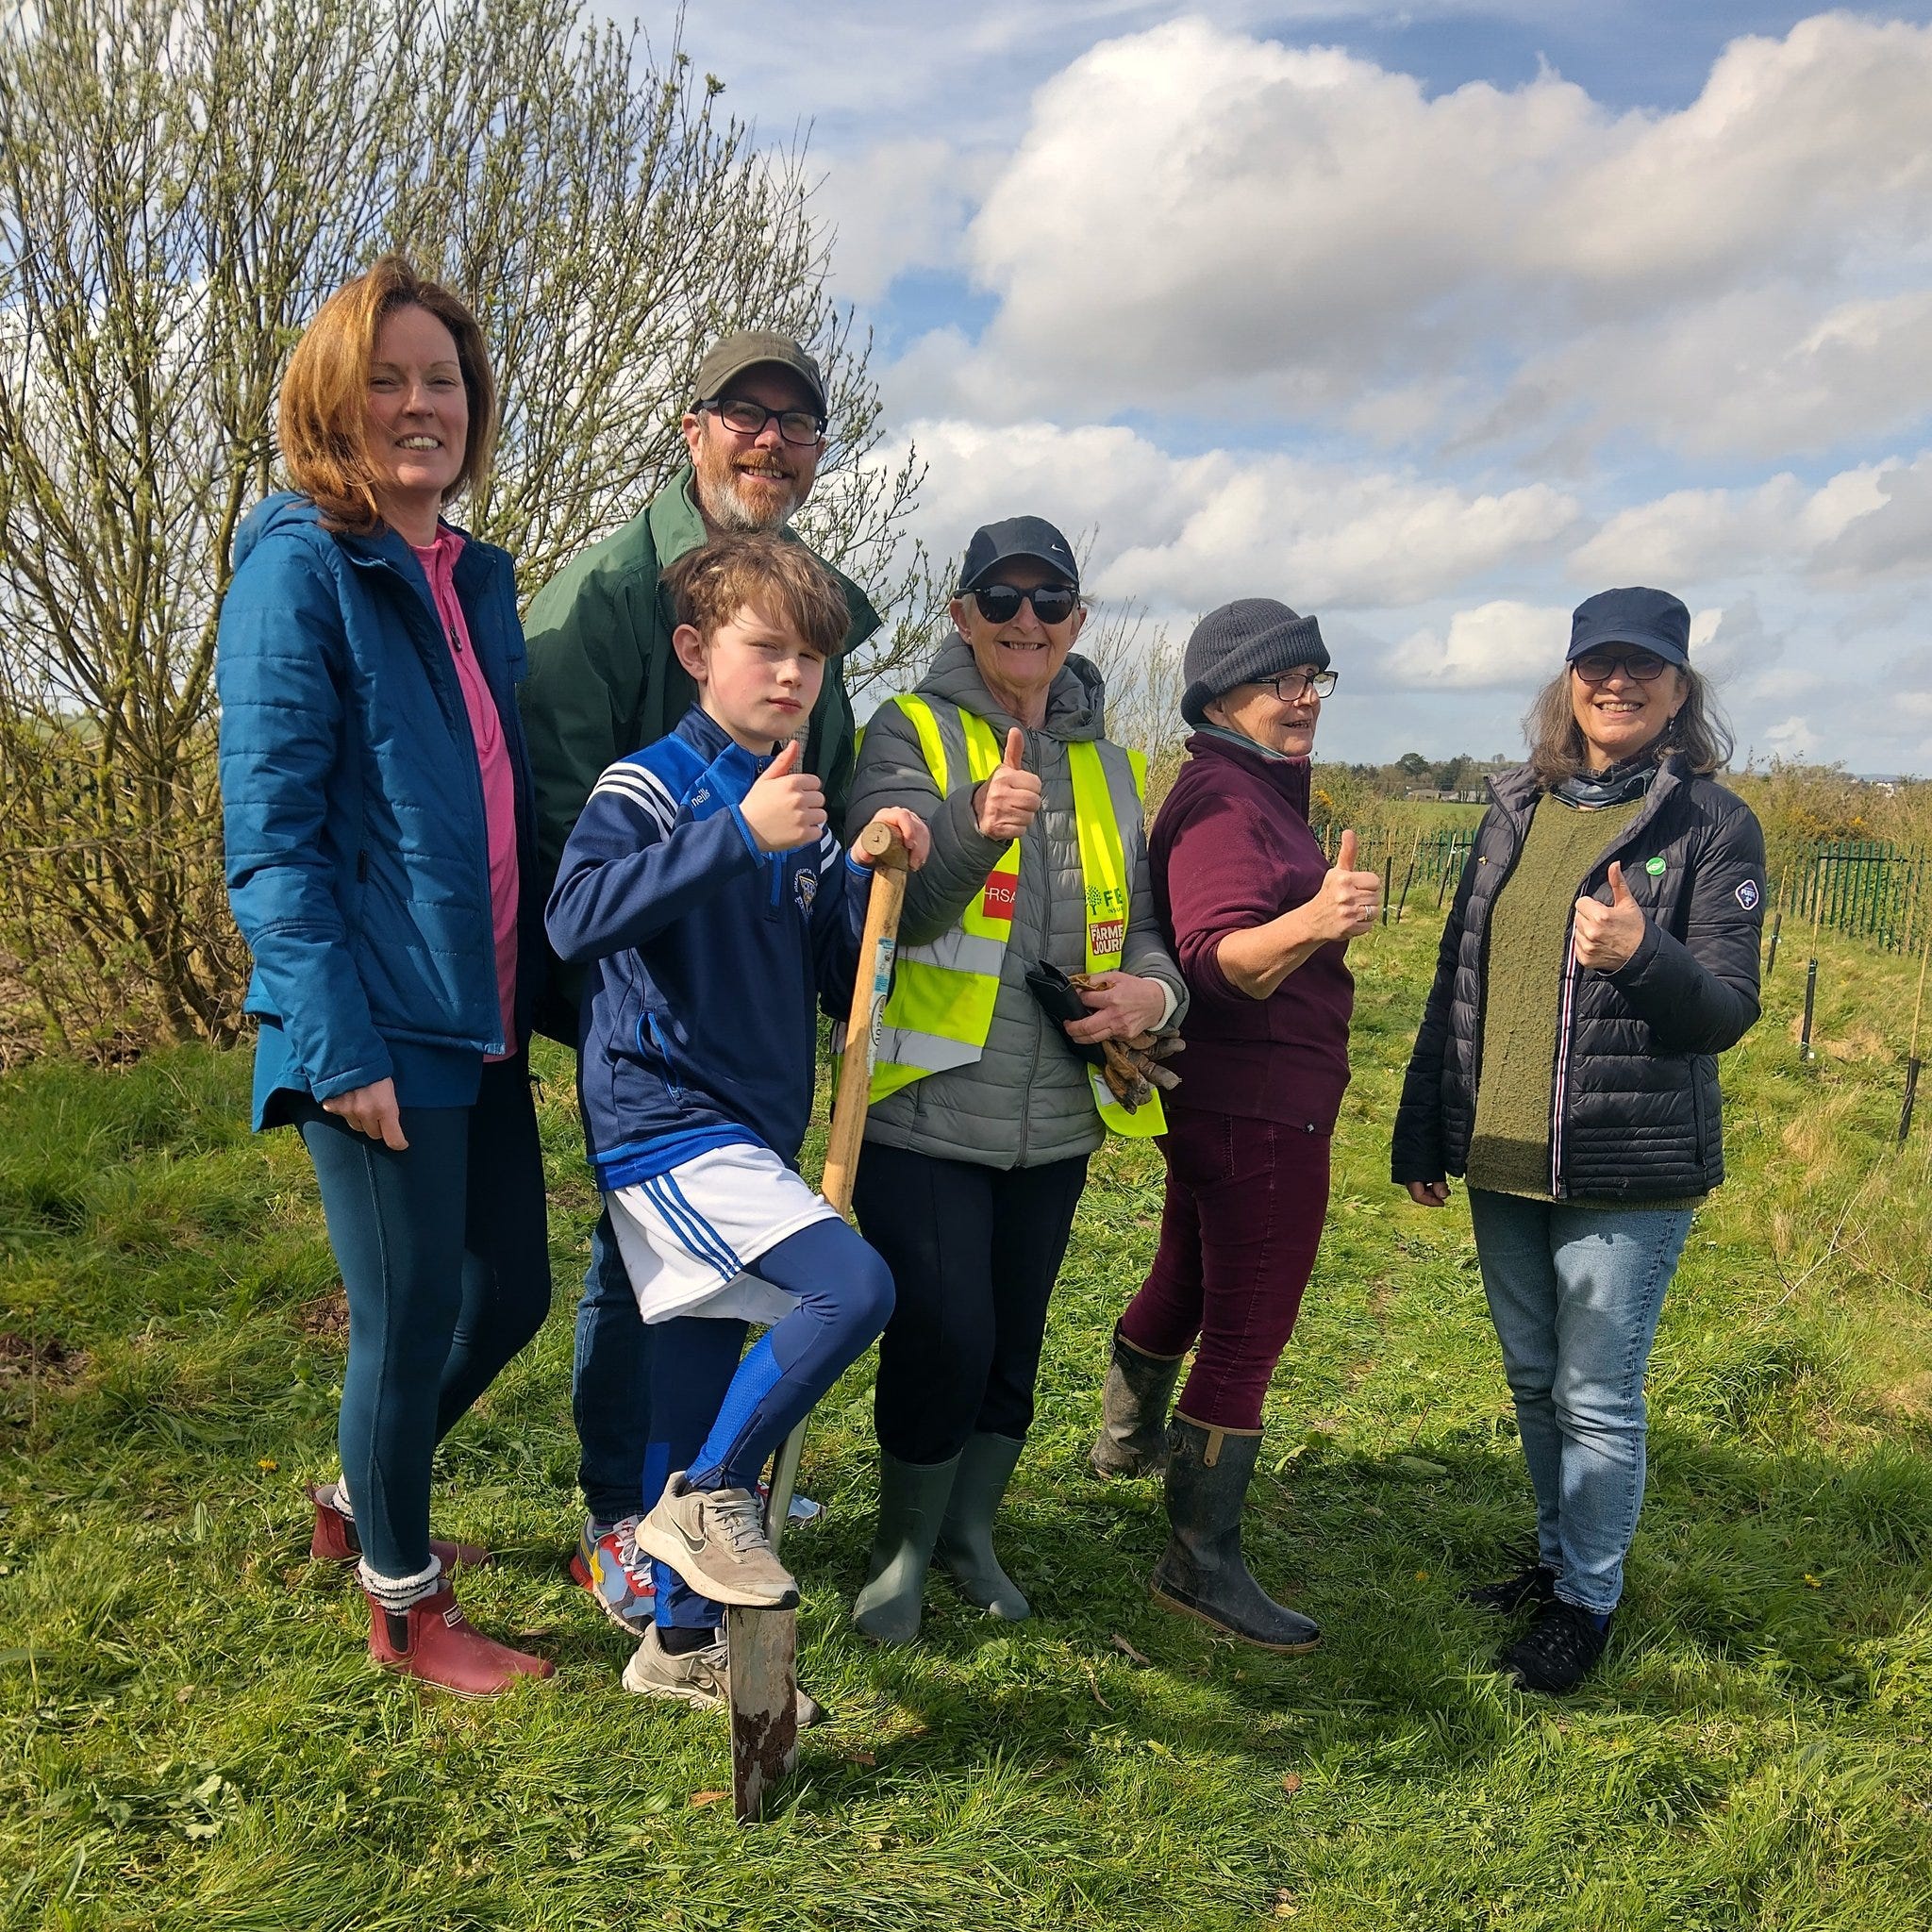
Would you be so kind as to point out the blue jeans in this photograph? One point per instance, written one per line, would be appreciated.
(611, 1386)
(1575, 1290)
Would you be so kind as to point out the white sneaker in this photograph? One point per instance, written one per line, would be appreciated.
(715, 1540)
(698, 1676)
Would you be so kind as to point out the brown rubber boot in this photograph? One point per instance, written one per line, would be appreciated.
(334, 1539)
(432, 1639)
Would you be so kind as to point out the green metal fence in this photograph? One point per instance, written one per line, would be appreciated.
(1865, 889)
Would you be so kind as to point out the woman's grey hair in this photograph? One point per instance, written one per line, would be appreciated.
(1557, 751)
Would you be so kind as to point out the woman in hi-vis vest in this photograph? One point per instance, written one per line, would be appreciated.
(983, 1112)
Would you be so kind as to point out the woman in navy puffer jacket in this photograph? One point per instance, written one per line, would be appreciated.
(379, 835)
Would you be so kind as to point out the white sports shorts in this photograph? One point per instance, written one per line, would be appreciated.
(689, 1237)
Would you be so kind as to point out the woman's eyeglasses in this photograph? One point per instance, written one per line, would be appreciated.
(744, 418)
(1052, 603)
(1295, 685)
(1599, 667)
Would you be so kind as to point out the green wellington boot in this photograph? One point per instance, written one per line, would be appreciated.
(913, 1505)
(1202, 1571)
(965, 1544)
(1133, 1406)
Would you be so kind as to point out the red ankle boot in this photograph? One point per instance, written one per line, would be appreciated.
(334, 1539)
(432, 1639)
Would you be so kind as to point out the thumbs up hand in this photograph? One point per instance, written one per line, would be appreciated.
(1345, 905)
(1608, 936)
(1005, 804)
(785, 806)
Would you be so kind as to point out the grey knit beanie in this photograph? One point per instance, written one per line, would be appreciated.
(1241, 643)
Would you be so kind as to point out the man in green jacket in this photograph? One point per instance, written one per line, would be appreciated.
(604, 681)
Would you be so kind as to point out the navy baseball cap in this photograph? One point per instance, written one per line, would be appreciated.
(1653, 620)
(995, 544)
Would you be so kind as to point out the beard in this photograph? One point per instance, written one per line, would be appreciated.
(732, 500)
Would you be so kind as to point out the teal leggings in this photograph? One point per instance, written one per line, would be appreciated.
(445, 1261)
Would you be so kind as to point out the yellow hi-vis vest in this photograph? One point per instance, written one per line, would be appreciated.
(941, 1008)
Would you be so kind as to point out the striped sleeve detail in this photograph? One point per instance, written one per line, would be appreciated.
(641, 787)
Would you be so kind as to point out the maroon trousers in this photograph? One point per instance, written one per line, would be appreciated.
(1238, 1230)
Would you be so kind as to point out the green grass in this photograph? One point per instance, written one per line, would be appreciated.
(190, 1735)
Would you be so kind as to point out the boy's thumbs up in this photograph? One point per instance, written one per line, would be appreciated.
(1344, 853)
(785, 763)
(1015, 759)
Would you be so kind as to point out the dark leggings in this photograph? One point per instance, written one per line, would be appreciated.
(721, 1418)
(446, 1263)
(1238, 1230)
(974, 1252)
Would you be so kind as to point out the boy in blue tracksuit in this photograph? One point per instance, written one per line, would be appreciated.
(714, 908)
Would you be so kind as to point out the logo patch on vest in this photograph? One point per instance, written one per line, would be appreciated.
(1655, 867)
(1748, 895)
(1106, 938)
(805, 888)
(1001, 897)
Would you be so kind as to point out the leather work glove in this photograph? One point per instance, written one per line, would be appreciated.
(1132, 1068)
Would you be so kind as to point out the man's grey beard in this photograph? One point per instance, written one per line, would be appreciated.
(727, 510)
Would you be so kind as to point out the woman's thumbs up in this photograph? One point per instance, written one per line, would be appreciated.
(1608, 936)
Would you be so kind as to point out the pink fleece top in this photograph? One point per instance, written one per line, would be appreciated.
(493, 762)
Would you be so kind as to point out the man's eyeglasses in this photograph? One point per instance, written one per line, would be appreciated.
(1599, 667)
(743, 418)
(1052, 603)
(1294, 685)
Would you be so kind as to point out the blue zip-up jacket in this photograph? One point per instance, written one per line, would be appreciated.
(358, 857)
(708, 957)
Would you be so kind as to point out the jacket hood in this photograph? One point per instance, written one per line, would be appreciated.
(1075, 703)
(284, 511)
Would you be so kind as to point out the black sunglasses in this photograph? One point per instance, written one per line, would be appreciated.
(1052, 603)
(746, 418)
(1599, 667)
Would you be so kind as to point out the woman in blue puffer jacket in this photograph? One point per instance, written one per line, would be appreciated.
(380, 843)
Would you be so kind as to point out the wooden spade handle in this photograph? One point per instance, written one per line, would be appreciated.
(871, 983)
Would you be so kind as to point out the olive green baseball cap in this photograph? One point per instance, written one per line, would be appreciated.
(746, 349)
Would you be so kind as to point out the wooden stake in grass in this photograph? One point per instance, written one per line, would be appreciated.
(1415, 853)
(763, 1644)
(1811, 965)
(1905, 1117)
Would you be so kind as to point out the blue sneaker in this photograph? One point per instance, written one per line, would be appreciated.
(618, 1575)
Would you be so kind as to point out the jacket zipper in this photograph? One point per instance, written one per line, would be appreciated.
(670, 1080)
(1565, 1018)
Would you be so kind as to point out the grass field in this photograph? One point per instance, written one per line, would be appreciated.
(190, 1736)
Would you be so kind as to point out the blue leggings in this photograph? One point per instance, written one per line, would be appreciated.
(446, 1263)
(721, 1418)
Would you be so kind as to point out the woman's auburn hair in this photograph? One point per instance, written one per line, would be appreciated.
(323, 414)
(1697, 734)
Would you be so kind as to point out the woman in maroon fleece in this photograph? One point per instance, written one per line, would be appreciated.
(1259, 924)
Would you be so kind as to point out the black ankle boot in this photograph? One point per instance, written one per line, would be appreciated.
(1202, 1570)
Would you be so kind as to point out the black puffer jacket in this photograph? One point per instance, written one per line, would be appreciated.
(1635, 1110)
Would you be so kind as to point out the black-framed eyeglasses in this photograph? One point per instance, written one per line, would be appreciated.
(1052, 603)
(745, 418)
(1599, 667)
(1294, 685)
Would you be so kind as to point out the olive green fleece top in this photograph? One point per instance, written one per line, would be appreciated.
(1523, 972)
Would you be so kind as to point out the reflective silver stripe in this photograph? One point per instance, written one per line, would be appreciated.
(925, 1050)
(900, 1047)
(960, 952)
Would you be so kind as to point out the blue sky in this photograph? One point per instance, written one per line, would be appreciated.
(1430, 320)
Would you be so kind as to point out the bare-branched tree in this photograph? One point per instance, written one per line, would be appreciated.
(181, 183)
